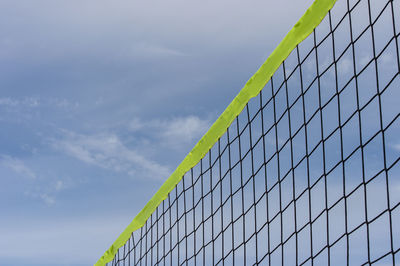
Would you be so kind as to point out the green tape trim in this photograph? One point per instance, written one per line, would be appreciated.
(304, 27)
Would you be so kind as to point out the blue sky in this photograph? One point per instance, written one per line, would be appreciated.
(101, 100)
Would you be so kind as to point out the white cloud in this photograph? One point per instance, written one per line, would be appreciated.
(136, 124)
(107, 151)
(17, 166)
(59, 185)
(174, 131)
(34, 102)
(185, 128)
(37, 186)
(48, 191)
(61, 103)
(25, 102)
(8, 102)
(49, 200)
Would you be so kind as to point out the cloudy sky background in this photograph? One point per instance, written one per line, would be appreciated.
(101, 100)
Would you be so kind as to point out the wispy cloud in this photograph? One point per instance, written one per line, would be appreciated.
(184, 129)
(17, 166)
(49, 200)
(48, 191)
(26, 102)
(35, 102)
(8, 102)
(109, 152)
(36, 185)
(175, 131)
(59, 185)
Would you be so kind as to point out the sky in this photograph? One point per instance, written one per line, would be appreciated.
(101, 100)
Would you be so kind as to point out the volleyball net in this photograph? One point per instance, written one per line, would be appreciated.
(308, 171)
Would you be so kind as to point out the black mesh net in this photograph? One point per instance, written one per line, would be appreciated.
(309, 172)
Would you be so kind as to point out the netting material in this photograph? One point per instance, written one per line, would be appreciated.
(293, 179)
